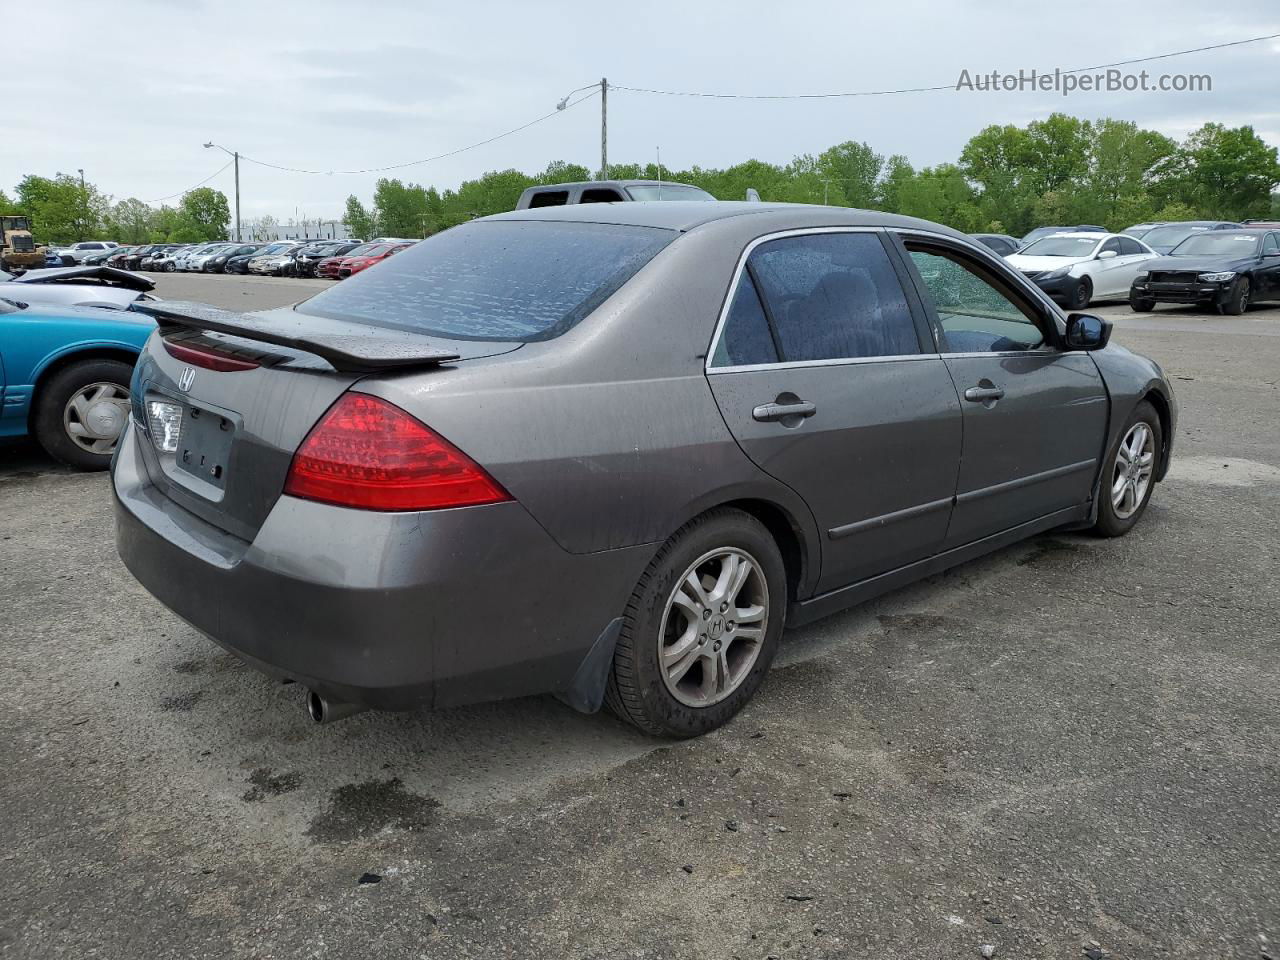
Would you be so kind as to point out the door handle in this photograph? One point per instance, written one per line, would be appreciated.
(983, 394)
(770, 412)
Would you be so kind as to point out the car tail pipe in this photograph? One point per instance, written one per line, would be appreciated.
(324, 710)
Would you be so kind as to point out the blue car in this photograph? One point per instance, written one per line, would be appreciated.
(64, 377)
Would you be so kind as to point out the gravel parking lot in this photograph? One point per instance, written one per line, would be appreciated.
(1070, 748)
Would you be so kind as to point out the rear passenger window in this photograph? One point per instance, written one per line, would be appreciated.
(549, 198)
(599, 196)
(1129, 247)
(746, 338)
(826, 296)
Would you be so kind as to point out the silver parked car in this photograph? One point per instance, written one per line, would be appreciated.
(610, 451)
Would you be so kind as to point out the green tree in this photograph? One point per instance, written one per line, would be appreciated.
(998, 159)
(7, 205)
(856, 168)
(400, 210)
(1128, 174)
(62, 211)
(1228, 173)
(358, 219)
(207, 213)
(130, 221)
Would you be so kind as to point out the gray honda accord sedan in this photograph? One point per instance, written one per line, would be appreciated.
(610, 451)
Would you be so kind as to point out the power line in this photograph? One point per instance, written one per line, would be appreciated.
(189, 189)
(942, 86)
(439, 156)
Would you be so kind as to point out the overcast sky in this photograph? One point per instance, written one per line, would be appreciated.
(130, 89)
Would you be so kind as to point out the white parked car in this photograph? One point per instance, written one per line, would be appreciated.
(73, 254)
(1076, 268)
(186, 262)
(197, 261)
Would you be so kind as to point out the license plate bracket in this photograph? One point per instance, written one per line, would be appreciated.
(204, 448)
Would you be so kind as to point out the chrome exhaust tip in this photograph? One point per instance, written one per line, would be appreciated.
(323, 710)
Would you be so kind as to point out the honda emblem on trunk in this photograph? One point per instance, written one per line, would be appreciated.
(186, 378)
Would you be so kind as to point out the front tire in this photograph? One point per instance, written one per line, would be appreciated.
(82, 410)
(1139, 305)
(1238, 302)
(1081, 295)
(1128, 478)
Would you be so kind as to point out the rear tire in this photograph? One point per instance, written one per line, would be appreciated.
(53, 421)
(734, 635)
(1119, 509)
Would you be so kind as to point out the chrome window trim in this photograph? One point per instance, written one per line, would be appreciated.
(710, 369)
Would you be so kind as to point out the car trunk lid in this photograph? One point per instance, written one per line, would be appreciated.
(227, 398)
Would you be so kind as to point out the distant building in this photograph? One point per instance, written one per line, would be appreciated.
(296, 230)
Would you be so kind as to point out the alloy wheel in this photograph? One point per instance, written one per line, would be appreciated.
(95, 415)
(1135, 463)
(713, 627)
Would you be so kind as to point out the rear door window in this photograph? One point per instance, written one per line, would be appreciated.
(831, 296)
(495, 280)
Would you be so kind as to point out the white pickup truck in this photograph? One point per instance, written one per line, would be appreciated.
(72, 255)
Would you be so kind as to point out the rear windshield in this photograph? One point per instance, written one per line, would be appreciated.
(498, 280)
(667, 191)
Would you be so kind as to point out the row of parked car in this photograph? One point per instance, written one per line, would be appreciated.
(332, 259)
(1215, 264)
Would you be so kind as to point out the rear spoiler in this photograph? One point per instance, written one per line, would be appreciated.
(347, 353)
(108, 275)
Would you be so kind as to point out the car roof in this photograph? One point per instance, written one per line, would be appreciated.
(685, 215)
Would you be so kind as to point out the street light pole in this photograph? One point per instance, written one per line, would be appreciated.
(604, 121)
(235, 156)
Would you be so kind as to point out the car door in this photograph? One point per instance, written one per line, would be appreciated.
(1269, 268)
(825, 371)
(1134, 255)
(1111, 270)
(1035, 415)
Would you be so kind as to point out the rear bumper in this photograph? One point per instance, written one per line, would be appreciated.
(388, 610)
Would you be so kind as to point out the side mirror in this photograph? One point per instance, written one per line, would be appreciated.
(1087, 332)
(1106, 255)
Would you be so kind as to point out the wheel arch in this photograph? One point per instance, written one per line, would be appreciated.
(790, 525)
(55, 365)
(1161, 404)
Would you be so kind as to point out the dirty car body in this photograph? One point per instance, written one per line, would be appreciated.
(603, 408)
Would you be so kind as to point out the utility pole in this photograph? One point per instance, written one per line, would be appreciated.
(604, 128)
(235, 156)
(84, 204)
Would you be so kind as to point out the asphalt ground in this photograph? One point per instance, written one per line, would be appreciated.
(1069, 748)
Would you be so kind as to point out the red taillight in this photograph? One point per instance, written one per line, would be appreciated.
(367, 453)
(208, 359)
